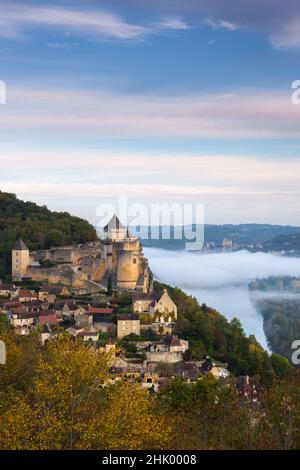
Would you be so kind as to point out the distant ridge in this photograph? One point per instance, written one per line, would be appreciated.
(241, 234)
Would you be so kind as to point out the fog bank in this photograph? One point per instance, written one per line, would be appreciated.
(220, 279)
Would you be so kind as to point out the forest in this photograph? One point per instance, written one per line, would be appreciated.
(38, 227)
(281, 323)
(57, 396)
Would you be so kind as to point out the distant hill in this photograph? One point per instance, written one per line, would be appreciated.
(38, 227)
(242, 234)
(289, 242)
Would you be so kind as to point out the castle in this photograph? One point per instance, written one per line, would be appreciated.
(116, 258)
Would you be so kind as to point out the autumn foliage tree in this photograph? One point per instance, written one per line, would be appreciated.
(67, 402)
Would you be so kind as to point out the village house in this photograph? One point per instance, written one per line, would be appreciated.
(217, 369)
(7, 305)
(100, 317)
(23, 318)
(170, 350)
(75, 331)
(50, 293)
(48, 318)
(150, 381)
(128, 324)
(84, 319)
(89, 335)
(8, 290)
(68, 308)
(189, 372)
(100, 314)
(160, 305)
(25, 295)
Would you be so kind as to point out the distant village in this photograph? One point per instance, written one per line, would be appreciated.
(102, 294)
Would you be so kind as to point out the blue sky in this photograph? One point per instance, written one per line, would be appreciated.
(157, 100)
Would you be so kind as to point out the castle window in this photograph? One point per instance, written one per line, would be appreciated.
(134, 260)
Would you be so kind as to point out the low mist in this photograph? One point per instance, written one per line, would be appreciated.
(194, 270)
(221, 279)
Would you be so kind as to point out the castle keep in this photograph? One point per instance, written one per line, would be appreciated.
(117, 258)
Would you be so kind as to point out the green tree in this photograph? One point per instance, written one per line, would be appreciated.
(109, 286)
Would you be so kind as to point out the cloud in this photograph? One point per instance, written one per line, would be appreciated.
(16, 21)
(241, 114)
(277, 20)
(61, 45)
(172, 23)
(94, 190)
(233, 188)
(288, 35)
(198, 174)
(223, 24)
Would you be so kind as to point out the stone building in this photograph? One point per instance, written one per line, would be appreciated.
(170, 351)
(20, 260)
(116, 258)
(128, 324)
(159, 304)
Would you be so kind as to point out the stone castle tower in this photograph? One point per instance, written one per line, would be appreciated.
(129, 264)
(20, 260)
(124, 256)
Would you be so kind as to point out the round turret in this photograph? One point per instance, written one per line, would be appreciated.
(20, 260)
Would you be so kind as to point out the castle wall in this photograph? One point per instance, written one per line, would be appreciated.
(57, 276)
(67, 254)
(167, 357)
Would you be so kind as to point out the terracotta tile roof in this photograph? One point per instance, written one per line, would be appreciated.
(48, 319)
(100, 311)
(27, 293)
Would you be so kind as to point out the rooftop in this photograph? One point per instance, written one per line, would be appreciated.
(20, 245)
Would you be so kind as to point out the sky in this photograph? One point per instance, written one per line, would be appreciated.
(159, 101)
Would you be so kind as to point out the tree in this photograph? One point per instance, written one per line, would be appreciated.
(281, 366)
(280, 425)
(109, 286)
(129, 422)
(65, 391)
